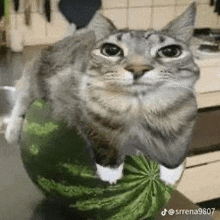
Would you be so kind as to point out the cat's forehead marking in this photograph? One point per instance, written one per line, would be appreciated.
(119, 36)
(148, 35)
(140, 42)
(157, 38)
(161, 39)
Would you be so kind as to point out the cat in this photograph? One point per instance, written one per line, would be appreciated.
(126, 91)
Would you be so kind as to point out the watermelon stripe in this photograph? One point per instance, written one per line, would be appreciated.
(149, 168)
(67, 191)
(114, 204)
(148, 164)
(79, 170)
(133, 170)
(137, 163)
(110, 199)
(40, 130)
(150, 174)
(136, 207)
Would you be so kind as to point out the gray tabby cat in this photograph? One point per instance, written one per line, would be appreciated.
(126, 91)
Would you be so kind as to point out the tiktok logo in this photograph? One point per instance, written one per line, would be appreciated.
(164, 212)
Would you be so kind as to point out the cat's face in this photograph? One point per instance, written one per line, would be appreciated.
(136, 61)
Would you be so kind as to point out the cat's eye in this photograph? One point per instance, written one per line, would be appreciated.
(170, 51)
(111, 50)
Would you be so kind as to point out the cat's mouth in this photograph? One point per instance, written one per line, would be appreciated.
(137, 87)
(137, 84)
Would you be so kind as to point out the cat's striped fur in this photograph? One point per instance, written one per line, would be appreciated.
(124, 90)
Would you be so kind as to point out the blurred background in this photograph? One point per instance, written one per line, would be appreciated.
(135, 14)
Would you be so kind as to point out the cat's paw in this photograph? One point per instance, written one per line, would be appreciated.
(171, 176)
(13, 130)
(108, 174)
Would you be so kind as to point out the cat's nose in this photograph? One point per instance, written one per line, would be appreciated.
(138, 71)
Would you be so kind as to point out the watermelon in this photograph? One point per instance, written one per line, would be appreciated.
(58, 161)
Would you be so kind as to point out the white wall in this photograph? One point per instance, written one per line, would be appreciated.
(124, 13)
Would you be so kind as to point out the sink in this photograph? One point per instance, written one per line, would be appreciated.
(6, 105)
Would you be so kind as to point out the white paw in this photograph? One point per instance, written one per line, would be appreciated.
(13, 129)
(171, 176)
(108, 174)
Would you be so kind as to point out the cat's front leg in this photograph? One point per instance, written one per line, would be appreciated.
(109, 164)
(14, 126)
(109, 174)
(13, 130)
(171, 176)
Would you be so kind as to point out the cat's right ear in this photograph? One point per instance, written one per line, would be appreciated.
(101, 26)
(182, 27)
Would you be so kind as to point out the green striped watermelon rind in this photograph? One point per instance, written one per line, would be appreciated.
(59, 164)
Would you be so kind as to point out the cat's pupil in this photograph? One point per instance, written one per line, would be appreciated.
(170, 51)
(111, 50)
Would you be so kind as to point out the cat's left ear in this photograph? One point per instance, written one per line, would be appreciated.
(101, 26)
(182, 27)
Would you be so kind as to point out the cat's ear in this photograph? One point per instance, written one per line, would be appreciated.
(101, 26)
(182, 27)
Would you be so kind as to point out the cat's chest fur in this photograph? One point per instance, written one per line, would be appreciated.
(120, 115)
